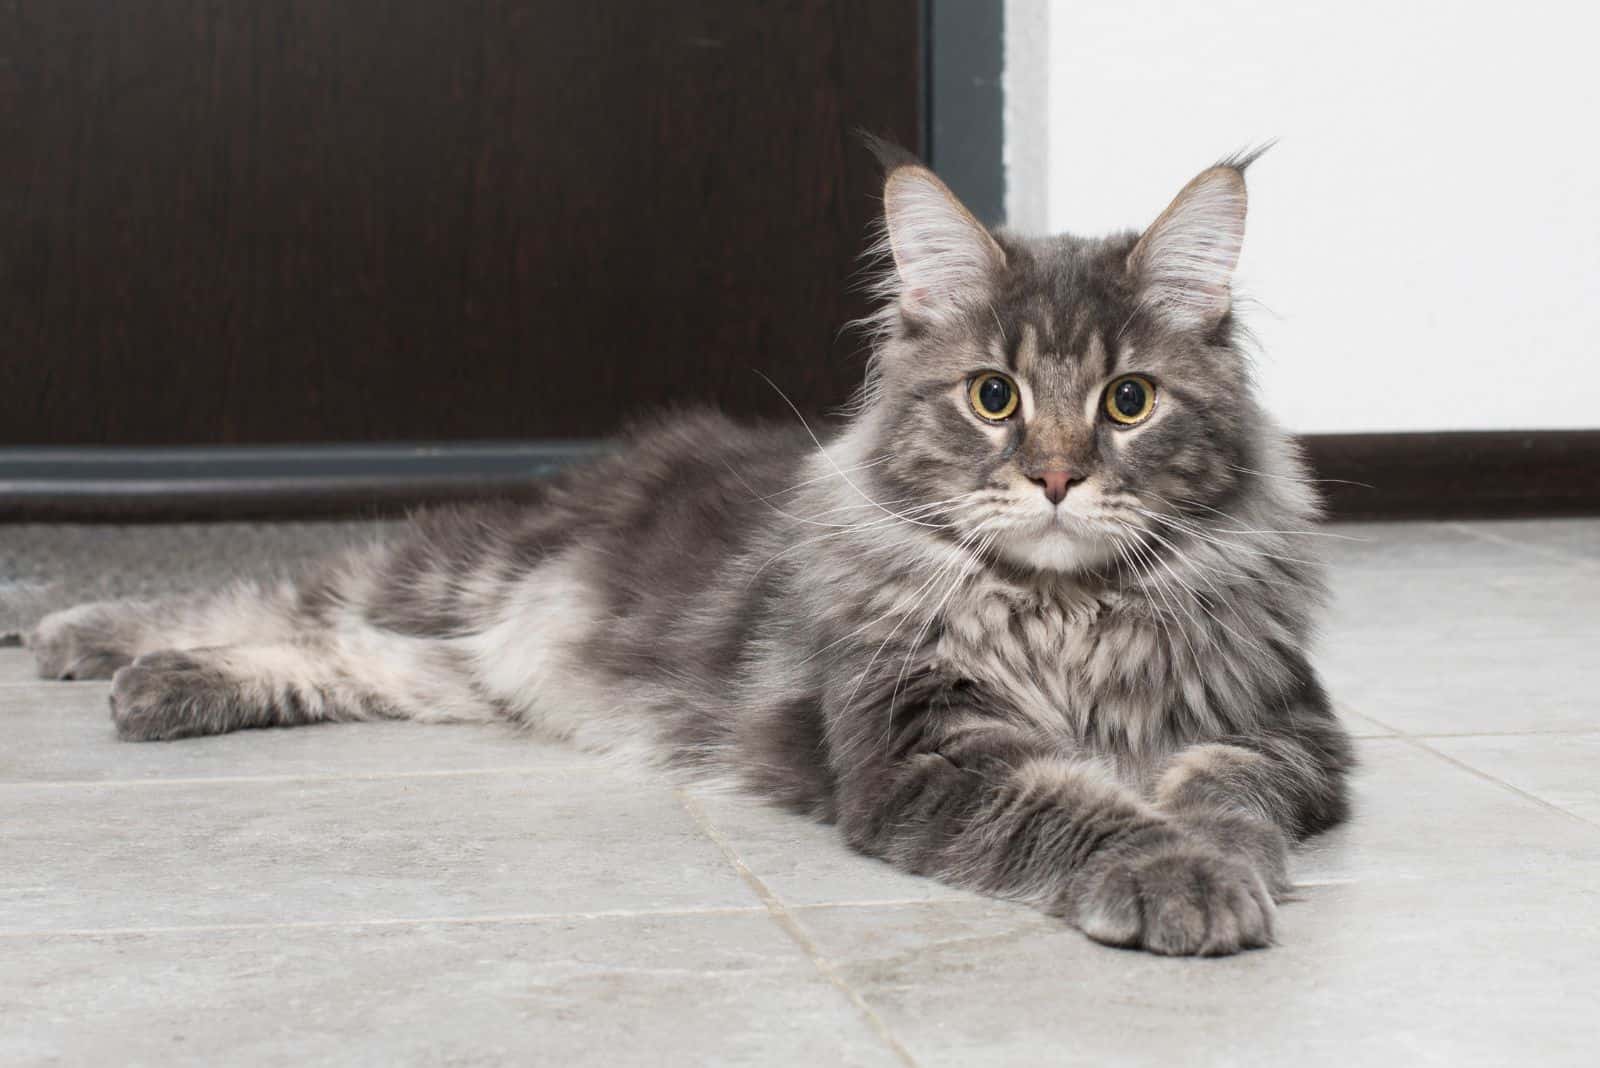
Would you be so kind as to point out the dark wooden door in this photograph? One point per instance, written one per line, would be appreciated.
(226, 221)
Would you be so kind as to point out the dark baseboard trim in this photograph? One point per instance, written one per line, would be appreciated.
(1364, 476)
(1459, 474)
(261, 482)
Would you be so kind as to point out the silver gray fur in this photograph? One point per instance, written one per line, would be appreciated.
(1103, 707)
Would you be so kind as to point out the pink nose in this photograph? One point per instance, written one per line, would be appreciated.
(1055, 484)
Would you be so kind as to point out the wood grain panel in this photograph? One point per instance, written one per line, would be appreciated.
(228, 221)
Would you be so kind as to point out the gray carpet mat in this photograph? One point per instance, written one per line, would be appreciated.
(48, 566)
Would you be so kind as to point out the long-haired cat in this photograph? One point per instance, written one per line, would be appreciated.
(1033, 620)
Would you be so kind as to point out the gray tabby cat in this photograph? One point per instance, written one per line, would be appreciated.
(1033, 620)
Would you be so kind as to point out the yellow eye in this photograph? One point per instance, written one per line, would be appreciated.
(1130, 399)
(993, 396)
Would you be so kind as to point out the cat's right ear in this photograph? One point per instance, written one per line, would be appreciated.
(943, 257)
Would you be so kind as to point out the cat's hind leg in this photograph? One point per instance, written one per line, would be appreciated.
(329, 677)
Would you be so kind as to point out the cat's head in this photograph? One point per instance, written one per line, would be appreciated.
(1059, 393)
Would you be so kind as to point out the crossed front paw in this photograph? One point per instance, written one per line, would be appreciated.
(1176, 894)
(1259, 844)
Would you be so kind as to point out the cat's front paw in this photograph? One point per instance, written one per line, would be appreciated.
(1259, 844)
(1178, 896)
(89, 641)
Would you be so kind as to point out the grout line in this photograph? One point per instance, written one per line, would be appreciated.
(1535, 798)
(891, 902)
(1552, 732)
(1347, 712)
(507, 919)
(61, 685)
(246, 780)
(1420, 742)
(403, 921)
(791, 926)
(1360, 721)
(57, 685)
(1543, 551)
(1575, 732)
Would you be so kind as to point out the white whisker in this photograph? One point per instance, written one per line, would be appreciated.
(1296, 478)
(916, 642)
(825, 455)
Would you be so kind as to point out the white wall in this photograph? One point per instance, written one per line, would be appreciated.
(1424, 241)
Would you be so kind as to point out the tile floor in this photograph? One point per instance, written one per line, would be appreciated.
(388, 894)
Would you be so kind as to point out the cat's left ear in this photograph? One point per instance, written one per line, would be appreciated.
(943, 257)
(1183, 264)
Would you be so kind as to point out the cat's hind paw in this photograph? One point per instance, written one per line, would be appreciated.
(169, 694)
(89, 641)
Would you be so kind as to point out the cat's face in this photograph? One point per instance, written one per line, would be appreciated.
(1052, 397)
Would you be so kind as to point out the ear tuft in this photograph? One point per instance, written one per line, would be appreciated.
(944, 258)
(889, 154)
(1183, 265)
